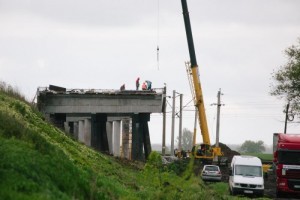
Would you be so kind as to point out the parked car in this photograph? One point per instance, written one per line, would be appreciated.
(211, 173)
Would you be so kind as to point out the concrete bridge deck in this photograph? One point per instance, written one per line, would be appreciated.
(100, 101)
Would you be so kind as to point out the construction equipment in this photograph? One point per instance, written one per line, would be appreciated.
(203, 151)
(286, 163)
(190, 79)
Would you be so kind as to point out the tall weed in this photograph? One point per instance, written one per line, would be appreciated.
(11, 91)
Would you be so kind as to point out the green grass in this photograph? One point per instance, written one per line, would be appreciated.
(262, 156)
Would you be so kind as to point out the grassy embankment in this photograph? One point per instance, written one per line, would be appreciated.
(38, 161)
(263, 156)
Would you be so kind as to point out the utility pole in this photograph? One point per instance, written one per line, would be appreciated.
(164, 122)
(173, 124)
(218, 117)
(286, 116)
(218, 104)
(180, 125)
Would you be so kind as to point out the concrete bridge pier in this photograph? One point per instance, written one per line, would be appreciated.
(126, 138)
(113, 129)
(109, 130)
(71, 127)
(140, 136)
(81, 131)
(116, 138)
(104, 133)
(99, 139)
(67, 127)
(84, 131)
(76, 130)
(87, 132)
(146, 134)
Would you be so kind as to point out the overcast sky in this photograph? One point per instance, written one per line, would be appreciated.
(104, 44)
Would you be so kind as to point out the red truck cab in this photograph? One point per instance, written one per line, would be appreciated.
(286, 148)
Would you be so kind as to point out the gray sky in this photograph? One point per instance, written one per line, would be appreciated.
(103, 44)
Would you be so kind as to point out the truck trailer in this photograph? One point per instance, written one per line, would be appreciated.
(286, 163)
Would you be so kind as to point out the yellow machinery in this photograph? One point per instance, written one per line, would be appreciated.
(202, 151)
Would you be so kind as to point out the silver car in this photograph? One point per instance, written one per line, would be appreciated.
(211, 173)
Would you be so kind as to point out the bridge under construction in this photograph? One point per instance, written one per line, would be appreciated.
(111, 121)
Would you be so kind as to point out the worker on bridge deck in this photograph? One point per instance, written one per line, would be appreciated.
(137, 83)
(122, 87)
(149, 84)
(144, 86)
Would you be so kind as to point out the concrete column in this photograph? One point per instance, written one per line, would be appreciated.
(76, 130)
(81, 131)
(144, 118)
(126, 138)
(116, 138)
(66, 127)
(71, 128)
(87, 132)
(99, 135)
(109, 131)
(137, 138)
(121, 140)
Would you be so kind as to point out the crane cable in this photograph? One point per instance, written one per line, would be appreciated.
(157, 49)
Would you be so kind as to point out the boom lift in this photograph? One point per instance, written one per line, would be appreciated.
(203, 151)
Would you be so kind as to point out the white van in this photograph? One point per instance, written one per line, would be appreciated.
(246, 176)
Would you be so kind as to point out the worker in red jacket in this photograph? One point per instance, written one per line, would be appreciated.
(144, 86)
